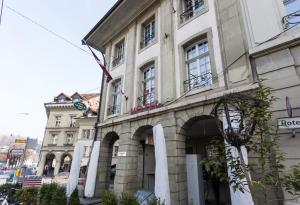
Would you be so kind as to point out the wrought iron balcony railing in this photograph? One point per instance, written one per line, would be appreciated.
(147, 40)
(111, 110)
(118, 60)
(146, 99)
(191, 10)
(195, 82)
(291, 20)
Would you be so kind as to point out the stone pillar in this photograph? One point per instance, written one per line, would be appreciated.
(126, 179)
(41, 163)
(57, 163)
(176, 161)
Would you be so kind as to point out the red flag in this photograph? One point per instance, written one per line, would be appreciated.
(105, 71)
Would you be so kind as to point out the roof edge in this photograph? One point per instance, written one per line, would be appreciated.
(111, 10)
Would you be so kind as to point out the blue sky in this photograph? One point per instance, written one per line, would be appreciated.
(35, 66)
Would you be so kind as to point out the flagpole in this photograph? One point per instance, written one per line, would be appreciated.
(99, 107)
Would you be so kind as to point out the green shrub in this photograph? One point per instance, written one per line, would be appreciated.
(27, 195)
(109, 199)
(155, 201)
(10, 189)
(74, 198)
(128, 199)
(52, 194)
(6, 187)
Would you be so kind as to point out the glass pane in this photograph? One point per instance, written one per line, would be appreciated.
(291, 6)
(191, 53)
(203, 48)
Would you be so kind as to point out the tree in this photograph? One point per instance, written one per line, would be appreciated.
(256, 132)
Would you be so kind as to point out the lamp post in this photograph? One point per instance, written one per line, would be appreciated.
(239, 119)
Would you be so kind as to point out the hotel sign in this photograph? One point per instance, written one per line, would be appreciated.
(289, 123)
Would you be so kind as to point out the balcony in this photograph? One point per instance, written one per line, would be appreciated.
(117, 61)
(195, 82)
(191, 10)
(291, 20)
(112, 110)
(146, 99)
(145, 102)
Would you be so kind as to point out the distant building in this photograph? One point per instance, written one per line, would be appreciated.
(4, 154)
(63, 131)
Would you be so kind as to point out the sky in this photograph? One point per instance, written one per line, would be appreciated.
(35, 65)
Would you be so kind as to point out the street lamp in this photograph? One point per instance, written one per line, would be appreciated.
(239, 118)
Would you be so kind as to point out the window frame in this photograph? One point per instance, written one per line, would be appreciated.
(197, 58)
(152, 80)
(118, 58)
(181, 7)
(115, 107)
(53, 138)
(57, 120)
(68, 137)
(152, 22)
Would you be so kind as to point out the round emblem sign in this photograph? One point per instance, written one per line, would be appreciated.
(79, 106)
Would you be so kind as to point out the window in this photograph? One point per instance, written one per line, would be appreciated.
(72, 120)
(148, 32)
(116, 150)
(57, 121)
(292, 8)
(119, 53)
(148, 85)
(86, 134)
(116, 98)
(86, 151)
(69, 139)
(53, 139)
(191, 8)
(198, 65)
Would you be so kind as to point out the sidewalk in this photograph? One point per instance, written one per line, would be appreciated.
(90, 201)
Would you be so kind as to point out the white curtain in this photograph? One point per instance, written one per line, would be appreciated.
(162, 188)
(75, 168)
(92, 171)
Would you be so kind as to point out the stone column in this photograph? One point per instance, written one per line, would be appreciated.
(41, 163)
(126, 179)
(57, 163)
(175, 143)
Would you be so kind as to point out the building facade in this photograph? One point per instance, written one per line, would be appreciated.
(63, 131)
(170, 62)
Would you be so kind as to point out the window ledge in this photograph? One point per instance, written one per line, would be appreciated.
(118, 65)
(202, 89)
(181, 24)
(113, 115)
(145, 48)
(52, 145)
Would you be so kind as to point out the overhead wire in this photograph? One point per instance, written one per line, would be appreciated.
(46, 29)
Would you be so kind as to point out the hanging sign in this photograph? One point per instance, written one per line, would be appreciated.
(79, 106)
(289, 123)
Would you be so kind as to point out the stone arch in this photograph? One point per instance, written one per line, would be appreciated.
(104, 181)
(66, 162)
(49, 166)
(145, 157)
(197, 134)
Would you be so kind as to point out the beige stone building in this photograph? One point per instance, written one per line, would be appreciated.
(170, 62)
(65, 126)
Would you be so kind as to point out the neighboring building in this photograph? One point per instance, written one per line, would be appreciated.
(4, 154)
(62, 131)
(173, 60)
